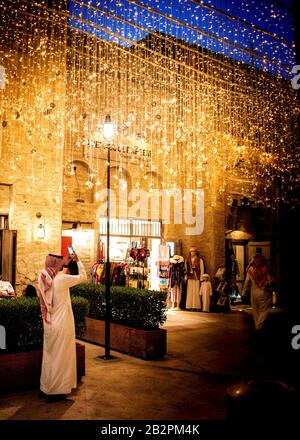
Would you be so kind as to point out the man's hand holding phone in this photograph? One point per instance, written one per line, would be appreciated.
(72, 253)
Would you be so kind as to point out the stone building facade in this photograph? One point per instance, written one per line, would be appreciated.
(31, 142)
(171, 118)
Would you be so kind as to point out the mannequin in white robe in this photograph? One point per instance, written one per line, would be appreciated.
(194, 269)
(59, 375)
(206, 293)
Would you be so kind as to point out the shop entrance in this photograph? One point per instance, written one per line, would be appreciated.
(236, 265)
(134, 243)
(243, 251)
(240, 252)
(8, 252)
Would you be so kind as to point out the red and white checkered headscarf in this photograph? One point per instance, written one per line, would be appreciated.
(53, 265)
(259, 270)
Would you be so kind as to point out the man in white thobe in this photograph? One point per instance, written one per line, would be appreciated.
(58, 375)
(258, 281)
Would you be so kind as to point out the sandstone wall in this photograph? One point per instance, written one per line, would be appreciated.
(32, 115)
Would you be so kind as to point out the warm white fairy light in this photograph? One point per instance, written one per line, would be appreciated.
(205, 121)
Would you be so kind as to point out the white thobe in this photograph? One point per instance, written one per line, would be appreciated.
(205, 293)
(59, 373)
(193, 300)
(261, 299)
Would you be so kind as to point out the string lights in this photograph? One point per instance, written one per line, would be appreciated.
(185, 115)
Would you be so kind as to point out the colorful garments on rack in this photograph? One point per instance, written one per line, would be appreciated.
(176, 273)
(96, 272)
(117, 273)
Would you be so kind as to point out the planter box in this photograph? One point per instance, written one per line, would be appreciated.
(144, 344)
(22, 370)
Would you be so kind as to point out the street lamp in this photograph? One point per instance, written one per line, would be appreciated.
(108, 134)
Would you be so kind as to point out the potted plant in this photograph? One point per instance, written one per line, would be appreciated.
(22, 357)
(136, 317)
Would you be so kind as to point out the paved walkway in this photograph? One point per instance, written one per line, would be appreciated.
(206, 354)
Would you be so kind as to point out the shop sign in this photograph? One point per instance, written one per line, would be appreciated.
(140, 152)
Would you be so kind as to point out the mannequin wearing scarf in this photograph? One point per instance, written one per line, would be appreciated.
(58, 375)
(258, 281)
(194, 268)
(176, 276)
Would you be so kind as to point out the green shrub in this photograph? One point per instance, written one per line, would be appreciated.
(80, 308)
(138, 308)
(22, 320)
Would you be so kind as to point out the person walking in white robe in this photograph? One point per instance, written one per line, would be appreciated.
(58, 375)
(258, 281)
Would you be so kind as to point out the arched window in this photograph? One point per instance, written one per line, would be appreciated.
(78, 182)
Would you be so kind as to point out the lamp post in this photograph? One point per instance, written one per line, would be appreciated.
(108, 133)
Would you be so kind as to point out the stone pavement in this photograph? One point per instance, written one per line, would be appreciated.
(206, 354)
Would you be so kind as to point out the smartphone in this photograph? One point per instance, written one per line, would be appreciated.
(71, 251)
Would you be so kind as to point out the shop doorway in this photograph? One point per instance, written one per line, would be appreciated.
(236, 265)
(128, 235)
(8, 254)
(139, 273)
(240, 252)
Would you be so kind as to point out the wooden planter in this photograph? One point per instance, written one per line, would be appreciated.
(145, 344)
(22, 370)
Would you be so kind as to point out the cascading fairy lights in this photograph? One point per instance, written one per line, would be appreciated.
(186, 116)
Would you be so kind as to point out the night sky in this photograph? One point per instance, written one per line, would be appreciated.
(262, 36)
